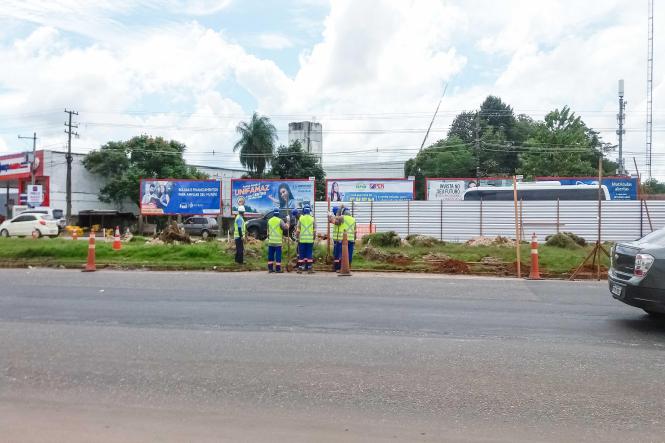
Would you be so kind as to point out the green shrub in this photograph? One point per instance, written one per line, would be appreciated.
(422, 240)
(562, 240)
(383, 239)
(576, 238)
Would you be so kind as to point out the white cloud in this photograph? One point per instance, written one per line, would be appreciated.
(273, 41)
(373, 57)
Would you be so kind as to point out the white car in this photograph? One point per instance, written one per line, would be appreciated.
(26, 224)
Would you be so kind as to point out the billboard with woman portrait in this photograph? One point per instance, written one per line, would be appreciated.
(261, 195)
(180, 197)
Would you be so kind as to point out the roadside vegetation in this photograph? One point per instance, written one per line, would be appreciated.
(379, 252)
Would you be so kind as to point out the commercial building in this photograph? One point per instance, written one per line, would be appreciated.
(394, 169)
(310, 136)
(51, 172)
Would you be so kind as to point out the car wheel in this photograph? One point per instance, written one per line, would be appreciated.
(4, 233)
(39, 233)
(653, 314)
(205, 234)
(253, 232)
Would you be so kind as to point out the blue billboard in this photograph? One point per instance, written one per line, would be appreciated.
(619, 188)
(180, 197)
(259, 196)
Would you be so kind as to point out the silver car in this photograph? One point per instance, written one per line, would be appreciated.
(203, 226)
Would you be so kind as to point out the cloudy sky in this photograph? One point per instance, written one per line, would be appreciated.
(371, 71)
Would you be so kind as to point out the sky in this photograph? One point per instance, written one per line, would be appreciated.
(371, 71)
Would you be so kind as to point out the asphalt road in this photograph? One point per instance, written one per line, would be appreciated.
(150, 356)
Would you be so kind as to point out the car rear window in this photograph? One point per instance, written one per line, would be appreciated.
(655, 238)
(58, 213)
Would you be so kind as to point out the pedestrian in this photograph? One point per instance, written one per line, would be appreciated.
(306, 233)
(240, 234)
(276, 228)
(349, 226)
(336, 221)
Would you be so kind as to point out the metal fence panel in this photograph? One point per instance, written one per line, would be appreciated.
(462, 220)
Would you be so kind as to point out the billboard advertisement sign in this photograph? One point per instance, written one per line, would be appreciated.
(619, 188)
(452, 189)
(261, 195)
(180, 197)
(35, 195)
(348, 190)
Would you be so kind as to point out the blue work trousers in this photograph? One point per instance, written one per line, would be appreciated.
(275, 258)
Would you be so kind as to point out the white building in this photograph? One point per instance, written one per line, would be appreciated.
(310, 136)
(393, 169)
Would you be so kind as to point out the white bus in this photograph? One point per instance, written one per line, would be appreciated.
(537, 191)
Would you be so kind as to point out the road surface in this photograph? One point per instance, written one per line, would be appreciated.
(184, 356)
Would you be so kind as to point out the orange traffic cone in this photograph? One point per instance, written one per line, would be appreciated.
(90, 266)
(75, 234)
(116, 239)
(535, 272)
(345, 270)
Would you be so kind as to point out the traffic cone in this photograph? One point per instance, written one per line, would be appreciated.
(535, 272)
(345, 270)
(117, 245)
(90, 266)
(35, 234)
(75, 234)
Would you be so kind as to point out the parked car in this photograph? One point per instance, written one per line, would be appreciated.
(258, 227)
(56, 214)
(637, 273)
(203, 226)
(26, 224)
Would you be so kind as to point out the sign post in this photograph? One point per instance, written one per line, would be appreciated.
(35, 195)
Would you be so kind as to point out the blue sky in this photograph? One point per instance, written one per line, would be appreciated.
(370, 70)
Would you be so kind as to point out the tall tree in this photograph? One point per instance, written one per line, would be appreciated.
(256, 143)
(292, 162)
(450, 157)
(563, 145)
(124, 163)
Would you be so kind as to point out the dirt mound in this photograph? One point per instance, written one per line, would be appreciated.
(436, 256)
(422, 240)
(451, 266)
(173, 233)
(491, 241)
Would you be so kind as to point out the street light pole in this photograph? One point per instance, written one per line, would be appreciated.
(34, 150)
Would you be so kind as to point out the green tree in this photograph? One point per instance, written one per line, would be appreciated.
(292, 162)
(450, 157)
(563, 145)
(124, 163)
(256, 144)
(653, 186)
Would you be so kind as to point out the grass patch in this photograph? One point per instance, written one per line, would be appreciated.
(214, 254)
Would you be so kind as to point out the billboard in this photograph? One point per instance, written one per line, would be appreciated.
(619, 188)
(348, 190)
(261, 195)
(180, 197)
(452, 189)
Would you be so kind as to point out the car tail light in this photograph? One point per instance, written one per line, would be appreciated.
(42, 222)
(643, 263)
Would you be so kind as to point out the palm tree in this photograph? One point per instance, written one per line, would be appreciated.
(256, 143)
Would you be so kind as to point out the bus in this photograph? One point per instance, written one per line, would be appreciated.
(537, 192)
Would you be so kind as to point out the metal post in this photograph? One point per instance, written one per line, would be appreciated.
(481, 216)
(441, 222)
(517, 230)
(621, 131)
(408, 218)
(371, 215)
(7, 203)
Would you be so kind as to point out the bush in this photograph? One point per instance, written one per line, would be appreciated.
(423, 240)
(562, 241)
(383, 239)
(576, 238)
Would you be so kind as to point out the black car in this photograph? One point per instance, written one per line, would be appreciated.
(258, 227)
(637, 273)
(203, 226)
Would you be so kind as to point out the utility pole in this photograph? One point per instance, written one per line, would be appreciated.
(34, 150)
(650, 90)
(69, 133)
(477, 132)
(620, 119)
